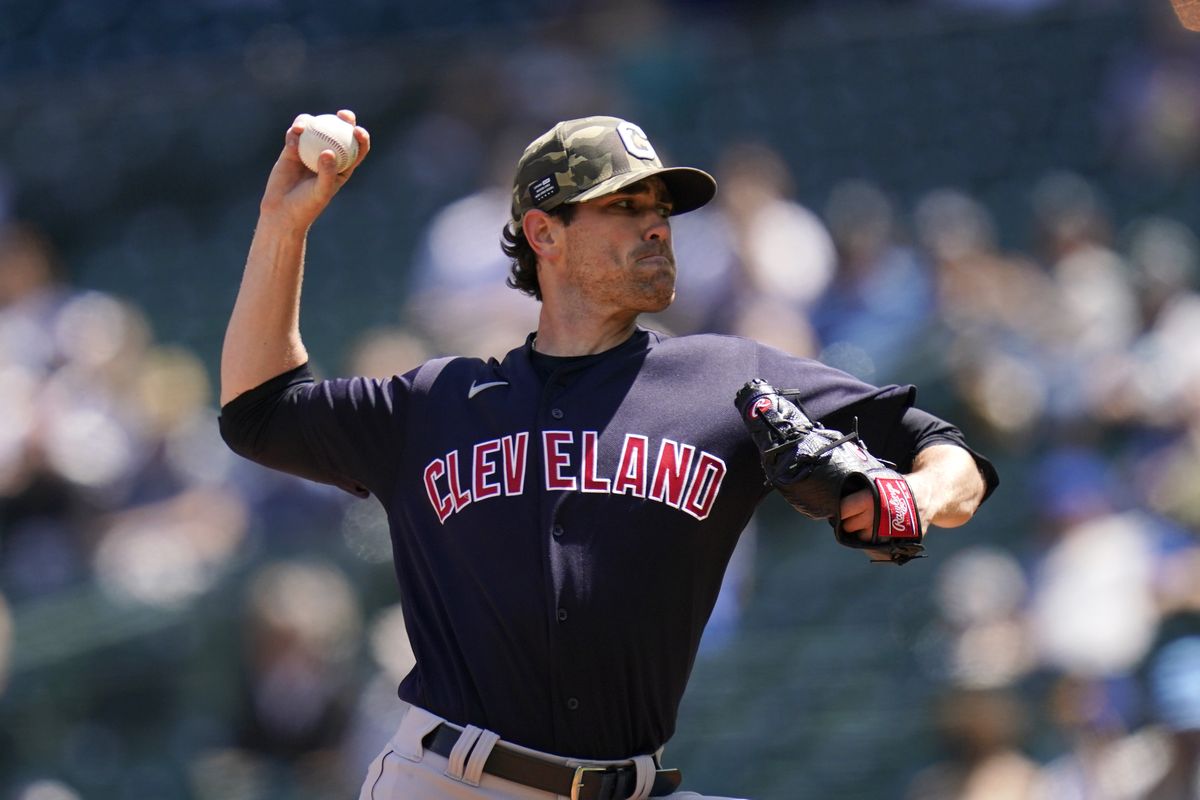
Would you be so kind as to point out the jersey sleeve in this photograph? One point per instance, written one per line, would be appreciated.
(836, 398)
(345, 432)
(886, 417)
(916, 430)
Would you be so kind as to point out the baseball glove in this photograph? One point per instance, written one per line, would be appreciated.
(815, 467)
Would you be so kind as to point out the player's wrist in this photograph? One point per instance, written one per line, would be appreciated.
(276, 222)
(924, 497)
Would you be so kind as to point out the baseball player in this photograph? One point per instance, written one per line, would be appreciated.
(561, 517)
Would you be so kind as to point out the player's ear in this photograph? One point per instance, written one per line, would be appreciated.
(542, 231)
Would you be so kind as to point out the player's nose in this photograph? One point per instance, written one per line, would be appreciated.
(659, 227)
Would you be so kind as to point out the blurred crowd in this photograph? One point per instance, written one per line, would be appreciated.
(176, 622)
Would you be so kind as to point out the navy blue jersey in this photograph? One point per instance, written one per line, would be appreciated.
(559, 544)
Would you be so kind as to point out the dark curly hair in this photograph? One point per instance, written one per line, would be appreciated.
(523, 274)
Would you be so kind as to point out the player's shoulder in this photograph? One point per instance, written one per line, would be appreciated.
(453, 370)
(744, 358)
(710, 345)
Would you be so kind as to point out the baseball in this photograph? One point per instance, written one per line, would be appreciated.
(328, 132)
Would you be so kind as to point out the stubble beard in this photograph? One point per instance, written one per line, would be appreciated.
(643, 288)
(660, 291)
(657, 288)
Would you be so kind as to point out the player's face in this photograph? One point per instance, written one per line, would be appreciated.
(619, 249)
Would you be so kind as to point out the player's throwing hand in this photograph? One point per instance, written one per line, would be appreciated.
(294, 193)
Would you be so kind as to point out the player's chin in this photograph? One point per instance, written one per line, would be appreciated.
(661, 305)
(658, 287)
(657, 295)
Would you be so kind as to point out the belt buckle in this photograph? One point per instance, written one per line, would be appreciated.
(577, 781)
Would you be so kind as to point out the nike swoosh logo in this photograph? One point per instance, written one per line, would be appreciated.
(477, 388)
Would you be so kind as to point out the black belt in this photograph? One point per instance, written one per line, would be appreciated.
(577, 783)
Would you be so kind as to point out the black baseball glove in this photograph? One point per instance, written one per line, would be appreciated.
(815, 467)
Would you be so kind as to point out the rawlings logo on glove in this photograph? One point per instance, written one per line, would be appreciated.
(815, 467)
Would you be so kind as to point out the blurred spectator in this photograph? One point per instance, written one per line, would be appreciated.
(92, 430)
(300, 633)
(1164, 254)
(170, 553)
(783, 257)
(982, 729)
(457, 266)
(458, 269)
(29, 274)
(45, 517)
(998, 310)
(1174, 694)
(1151, 108)
(1073, 236)
(376, 714)
(1099, 594)
(31, 294)
(980, 290)
(1167, 473)
(1097, 315)
(384, 352)
(980, 633)
(1092, 608)
(1151, 386)
(114, 485)
(301, 630)
(881, 297)
(1158, 761)
(1172, 487)
(753, 263)
(1102, 761)
(47, 790)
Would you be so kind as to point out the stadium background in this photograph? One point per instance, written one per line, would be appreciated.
(175, 624)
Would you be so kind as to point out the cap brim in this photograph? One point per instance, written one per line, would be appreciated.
(690, 188)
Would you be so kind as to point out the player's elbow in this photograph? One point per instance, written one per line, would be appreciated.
(952, 483)
(954, 517)
(238, 435)
(961, 500)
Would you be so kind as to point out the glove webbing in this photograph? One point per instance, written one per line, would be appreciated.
(804, 460)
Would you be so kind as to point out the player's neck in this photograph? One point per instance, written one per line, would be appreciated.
(562, 335)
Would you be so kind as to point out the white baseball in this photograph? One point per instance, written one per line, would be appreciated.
(328, 132)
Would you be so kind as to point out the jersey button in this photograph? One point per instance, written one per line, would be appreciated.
(557, 530)
(562, 615)
(557, 413)
(572, 704)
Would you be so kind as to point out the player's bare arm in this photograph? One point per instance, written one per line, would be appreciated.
(262, 339)
(948, 485)
(945, 484)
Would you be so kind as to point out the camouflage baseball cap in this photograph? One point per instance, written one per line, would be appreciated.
(581, 159)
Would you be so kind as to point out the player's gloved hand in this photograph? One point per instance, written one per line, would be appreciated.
(814, 468)
(295, 195)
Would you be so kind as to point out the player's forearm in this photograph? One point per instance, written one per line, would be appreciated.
(262, 339)
(947, 484)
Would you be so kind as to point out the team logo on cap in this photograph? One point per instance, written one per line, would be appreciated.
(635, 141)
